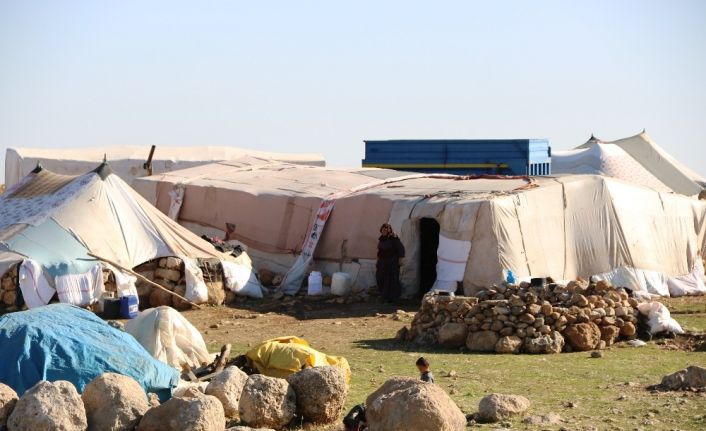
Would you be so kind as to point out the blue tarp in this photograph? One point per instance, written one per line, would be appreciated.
(65, 342)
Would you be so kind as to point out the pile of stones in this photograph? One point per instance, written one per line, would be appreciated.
(8, 289)
(509, 318)
(113, 402)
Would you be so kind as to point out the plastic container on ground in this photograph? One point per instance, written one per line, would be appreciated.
(341, 284)
(129, 307)
(315, 285)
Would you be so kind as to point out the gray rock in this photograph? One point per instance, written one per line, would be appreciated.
(8, 399)
(548, 419)
(692, 377)
(267, 402)
(409, 404)
(49, 406)
(114, 402)
(482, 341)
(227, 387)
(544, 344)
(498, 407)
(321, 393)
(453, 335)
(199, 412)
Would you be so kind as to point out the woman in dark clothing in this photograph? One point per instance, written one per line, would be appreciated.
(390, 255)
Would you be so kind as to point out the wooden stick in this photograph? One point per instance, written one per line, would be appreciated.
(145, 279)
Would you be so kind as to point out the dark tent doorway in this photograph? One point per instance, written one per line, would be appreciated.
(429, 237)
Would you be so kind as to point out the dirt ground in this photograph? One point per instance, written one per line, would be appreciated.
(589, 394)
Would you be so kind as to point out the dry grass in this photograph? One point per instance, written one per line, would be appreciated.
(608, 393)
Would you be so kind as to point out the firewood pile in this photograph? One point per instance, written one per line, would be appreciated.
(510, 318)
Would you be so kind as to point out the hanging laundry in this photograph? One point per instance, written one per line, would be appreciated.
(35, 287)
(81, 289)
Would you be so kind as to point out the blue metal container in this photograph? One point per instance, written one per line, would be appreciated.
(128, 307)
(462, 156)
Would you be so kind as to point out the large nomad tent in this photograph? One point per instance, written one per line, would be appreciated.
(563, 226)
(127, 161)
(636, 159)
(50, 223)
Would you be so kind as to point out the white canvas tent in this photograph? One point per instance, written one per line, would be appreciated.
(636, 159)
(127, 161)
(53, 221)
(563, 226)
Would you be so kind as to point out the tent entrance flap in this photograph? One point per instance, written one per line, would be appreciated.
(429, 230)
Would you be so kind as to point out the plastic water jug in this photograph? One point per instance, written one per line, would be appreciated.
(510, 276)
(128, 307)
(340, 284)
(315, 285)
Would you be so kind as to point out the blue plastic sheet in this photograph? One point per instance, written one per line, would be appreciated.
(65, 342)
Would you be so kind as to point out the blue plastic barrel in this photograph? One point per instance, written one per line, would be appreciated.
(128, 307)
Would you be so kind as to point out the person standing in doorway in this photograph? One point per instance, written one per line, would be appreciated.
(390, 258)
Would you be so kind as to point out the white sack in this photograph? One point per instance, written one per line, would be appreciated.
(125, 284)
(196, 290)
(452, 256)
(241, 279)
(659, 318)
(690, 284)
(169, 337)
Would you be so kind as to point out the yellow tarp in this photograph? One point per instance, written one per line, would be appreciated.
(283, 356)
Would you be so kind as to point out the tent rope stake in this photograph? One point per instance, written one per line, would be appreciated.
(145, 279)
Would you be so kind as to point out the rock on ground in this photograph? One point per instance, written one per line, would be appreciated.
(498, 407)
(8, 399)
(551, 343)
(509, 344)
(321, 393)
(49, 406)
(199, 412)
(583, 337)
(404, 403)
(227, 387)
(267, 402)
(114, 402)
(692, 377)
(482, 341)
(244, 428)
(453, 335)
(548, 419)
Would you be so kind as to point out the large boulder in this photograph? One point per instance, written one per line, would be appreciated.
(498, 407)
(583, 336)
(8, 399)
(692, 377)
(267, 402)
(409, 404)
(453, 335)
(544, 344)
(49, 406)
(114, 402)
(227, 387)
(482, 341)
(321, 393)
(609, 334)
(509, 344)
(195, 412)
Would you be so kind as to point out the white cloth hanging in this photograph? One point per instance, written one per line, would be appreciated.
(35, 287)
(81, 289)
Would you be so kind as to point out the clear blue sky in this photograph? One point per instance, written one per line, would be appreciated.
(323, 76)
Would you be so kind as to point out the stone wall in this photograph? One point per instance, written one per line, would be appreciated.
(527, 319)
(8, 289)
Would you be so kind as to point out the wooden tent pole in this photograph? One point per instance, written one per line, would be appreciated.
(143, 278)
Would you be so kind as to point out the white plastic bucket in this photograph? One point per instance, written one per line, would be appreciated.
(315, 285)
(341, 284)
